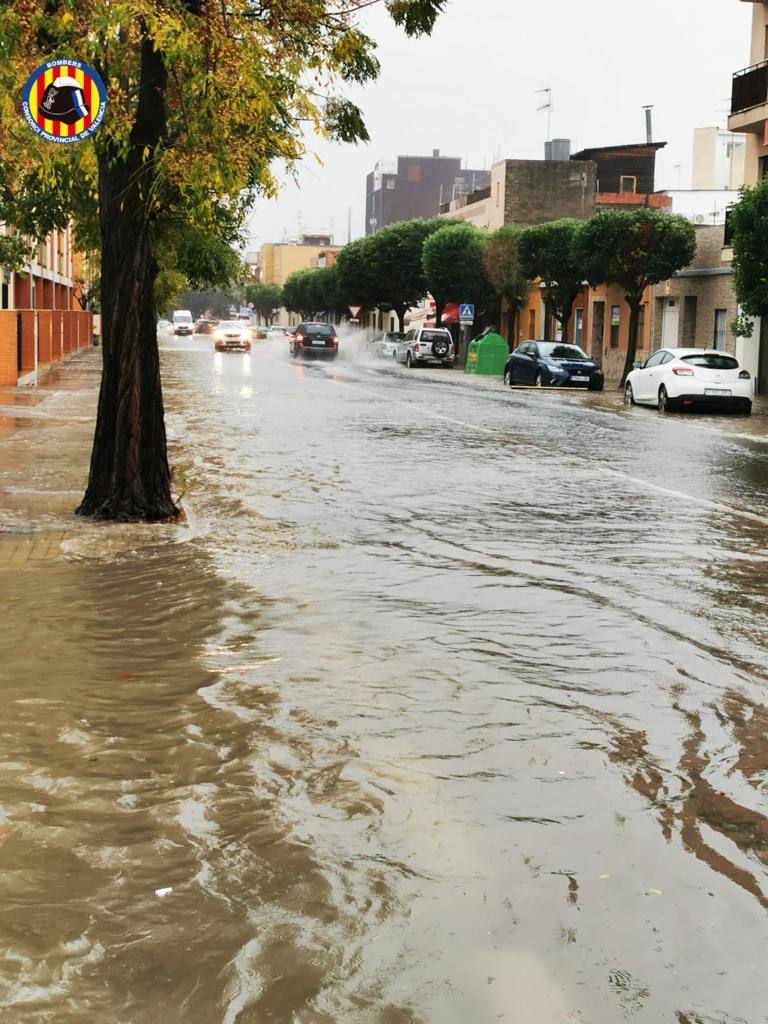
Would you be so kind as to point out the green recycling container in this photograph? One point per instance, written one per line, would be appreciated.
(487, 356)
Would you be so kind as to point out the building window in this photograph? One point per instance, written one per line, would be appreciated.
(719, 339)
(389, 183)
(578, 329)
(414, 173)
(628, 183)
(615, 325)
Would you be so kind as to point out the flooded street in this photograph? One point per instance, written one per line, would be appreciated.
(447, 706)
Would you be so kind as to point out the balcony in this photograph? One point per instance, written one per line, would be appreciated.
(749, 99)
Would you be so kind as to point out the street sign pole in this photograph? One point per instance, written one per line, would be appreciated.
(466, 319)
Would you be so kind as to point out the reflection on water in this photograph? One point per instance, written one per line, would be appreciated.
(436, 713)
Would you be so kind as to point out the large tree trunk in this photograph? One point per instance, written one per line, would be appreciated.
(130, 479)
(439, 307)
(634, 325)
(400, 312)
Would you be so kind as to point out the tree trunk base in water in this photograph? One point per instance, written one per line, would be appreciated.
(127, 510)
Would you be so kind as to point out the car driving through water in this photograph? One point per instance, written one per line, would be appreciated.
(315, 339)
(690, 377)
(232, 336)
(426, 346)
(552, 364)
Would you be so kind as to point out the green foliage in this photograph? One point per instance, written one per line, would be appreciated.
(634, 249)
(394, 257)
(245, 82)
(549, 252)
(356, 282)
(454, 266)
(266, 299)
(742, 326)
(15, 251)
(504, 268)
(749, 220)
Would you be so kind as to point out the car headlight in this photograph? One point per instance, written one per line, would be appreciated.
(555, 369)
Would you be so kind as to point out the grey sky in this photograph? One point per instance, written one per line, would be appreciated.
(469, 90)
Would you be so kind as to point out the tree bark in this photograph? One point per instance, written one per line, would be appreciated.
(129, 478)
(634, 326)
(439, 307)
(400, 312)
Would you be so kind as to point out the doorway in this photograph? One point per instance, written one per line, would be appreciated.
(598, 329)
(669, 324)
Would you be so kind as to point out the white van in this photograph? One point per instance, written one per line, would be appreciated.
(183, 324)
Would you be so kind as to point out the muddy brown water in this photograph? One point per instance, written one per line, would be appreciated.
(450, 707)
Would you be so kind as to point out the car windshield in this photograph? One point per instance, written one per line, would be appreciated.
(319, 329)
(230, 325)
(393, 336)
(434, 335)
(554, 350)
(712, 362)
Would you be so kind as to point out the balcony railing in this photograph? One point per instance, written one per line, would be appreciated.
(750, 88)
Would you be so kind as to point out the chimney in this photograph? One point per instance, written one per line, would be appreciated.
(435, 152)
(557, 149)
(648, 123)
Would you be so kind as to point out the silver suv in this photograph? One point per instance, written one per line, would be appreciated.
(426, 346)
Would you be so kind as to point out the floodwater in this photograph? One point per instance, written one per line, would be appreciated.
(448, 707)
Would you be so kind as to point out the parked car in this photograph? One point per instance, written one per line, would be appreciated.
(276, 332)
(315, 339)
(552, 364)
(163, 326)
(384, 344)
(183, 324)
(687, 377)
(426, 346)
(232, 336)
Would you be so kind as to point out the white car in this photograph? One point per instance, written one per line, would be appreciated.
(432, 346)
(232, 336)
(686, 377)
(384, 345)
(276, 332)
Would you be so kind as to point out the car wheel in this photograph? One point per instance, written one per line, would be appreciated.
(508, 378)
(539, 380)
(629, 395)
(663, 400)
(409, 361)
(394, 357)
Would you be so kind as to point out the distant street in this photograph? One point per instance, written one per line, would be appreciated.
(447, 707)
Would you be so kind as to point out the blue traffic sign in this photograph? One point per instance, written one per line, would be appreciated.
(466, 313)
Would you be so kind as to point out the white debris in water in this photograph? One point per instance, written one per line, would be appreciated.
(164, 892)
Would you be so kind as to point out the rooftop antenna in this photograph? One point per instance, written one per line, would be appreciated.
(548, 107)
(648, 122)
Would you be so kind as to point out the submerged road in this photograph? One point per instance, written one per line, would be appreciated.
(451, 709)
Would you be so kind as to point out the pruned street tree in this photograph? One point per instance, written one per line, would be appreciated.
(356, 283)
(548, 252)
(454, 266)
(634, 250)
(395, 261)
(203, 97)
(266, 298)
(505, 273)
(300, 294)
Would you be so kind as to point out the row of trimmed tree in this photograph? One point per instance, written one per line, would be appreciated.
(395, 268)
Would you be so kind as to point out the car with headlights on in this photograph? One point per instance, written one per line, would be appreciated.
(687, 378)
(426, 346)
(553, 364)
(315, 339)
(232, 336)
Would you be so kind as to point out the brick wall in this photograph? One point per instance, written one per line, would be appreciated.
(537, 191)
(46, 337)
(8, 371)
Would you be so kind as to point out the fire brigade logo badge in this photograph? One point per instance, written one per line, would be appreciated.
(64, 101)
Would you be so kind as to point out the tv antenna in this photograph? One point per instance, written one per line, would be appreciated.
(548, 107)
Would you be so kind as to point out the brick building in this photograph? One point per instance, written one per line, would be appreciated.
(626, 176)
(415, 187)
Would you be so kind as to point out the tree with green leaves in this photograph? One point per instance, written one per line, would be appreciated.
(266, 298)
(454, 266)
(505, 273)
(548, 252)
(300, 293)
(203, 99)
(394, 255)
(634, 250)
(749, 222)
(357, 285)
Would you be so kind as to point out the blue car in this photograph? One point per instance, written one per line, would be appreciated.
(552, 364)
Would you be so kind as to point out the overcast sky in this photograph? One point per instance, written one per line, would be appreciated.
(470, 90)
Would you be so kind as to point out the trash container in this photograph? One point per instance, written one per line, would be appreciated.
(487, 356)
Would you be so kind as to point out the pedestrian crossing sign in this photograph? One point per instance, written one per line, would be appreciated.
(466, 313)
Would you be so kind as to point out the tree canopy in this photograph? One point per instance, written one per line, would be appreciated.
(749, 220)
(266, 299)
(548, 251)
(634, 250)
(454, 267)
(394, 256)
(505, 271)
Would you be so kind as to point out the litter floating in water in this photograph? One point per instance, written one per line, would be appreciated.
(163, 892)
